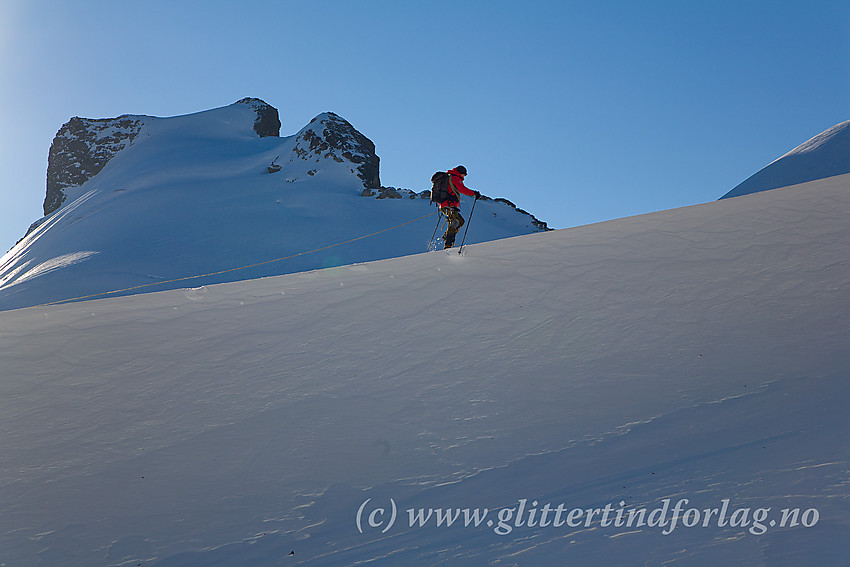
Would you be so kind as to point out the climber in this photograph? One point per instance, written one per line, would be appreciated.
(450, 206)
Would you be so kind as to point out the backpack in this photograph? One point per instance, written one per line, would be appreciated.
(440, 188)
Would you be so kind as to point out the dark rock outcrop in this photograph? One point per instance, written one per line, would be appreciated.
(80, 150)
(538, 223)
(267, 122)
(330, 136)
(396, 193)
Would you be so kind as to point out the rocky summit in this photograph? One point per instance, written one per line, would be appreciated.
(330, 137)
(80, 150)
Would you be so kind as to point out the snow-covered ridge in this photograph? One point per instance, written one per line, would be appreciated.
(398, 193)
(825, 155)
(211, 193)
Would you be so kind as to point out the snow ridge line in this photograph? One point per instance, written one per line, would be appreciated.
(103, 293)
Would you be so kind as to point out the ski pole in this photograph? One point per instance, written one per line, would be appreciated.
(439, 219)
(459, 250)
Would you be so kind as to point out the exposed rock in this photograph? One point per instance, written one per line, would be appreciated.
(396, 193)
(274, 167)
(538, 223)
(80, 150)
(330, 136)
(267, 122)
(388, 193)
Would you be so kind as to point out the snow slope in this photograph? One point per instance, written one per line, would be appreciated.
(825, 155)
(192, 195)
(697, 353)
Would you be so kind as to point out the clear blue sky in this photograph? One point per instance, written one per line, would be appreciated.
(576, 111)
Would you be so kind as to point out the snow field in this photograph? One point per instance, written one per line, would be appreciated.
(697, 353)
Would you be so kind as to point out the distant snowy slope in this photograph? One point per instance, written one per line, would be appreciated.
(694, 358)
(825, 155)
(138, 201)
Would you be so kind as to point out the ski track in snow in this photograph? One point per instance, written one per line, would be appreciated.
(697, 353)
(13, 276)
(57, 263)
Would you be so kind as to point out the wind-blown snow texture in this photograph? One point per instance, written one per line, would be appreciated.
(825, 155)
(169, 198)
(696, 353)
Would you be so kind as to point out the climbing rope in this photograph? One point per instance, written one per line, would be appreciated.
(185, 278)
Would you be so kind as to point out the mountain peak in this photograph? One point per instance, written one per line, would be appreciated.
(328, 135)
(83, 146)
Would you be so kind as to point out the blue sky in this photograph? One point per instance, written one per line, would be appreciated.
(578, 112)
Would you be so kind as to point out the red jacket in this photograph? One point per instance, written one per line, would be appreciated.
(455, 185)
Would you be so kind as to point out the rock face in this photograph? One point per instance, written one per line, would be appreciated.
(268, 121)
(330, 136)
(80, 150)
